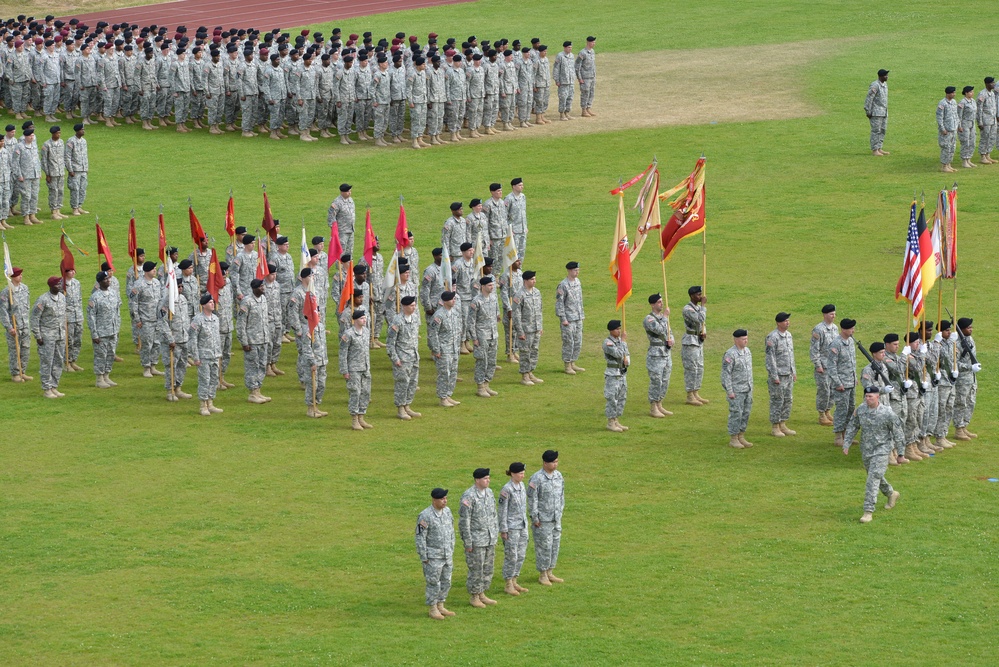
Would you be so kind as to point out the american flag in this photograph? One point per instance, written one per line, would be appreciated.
(910, 284)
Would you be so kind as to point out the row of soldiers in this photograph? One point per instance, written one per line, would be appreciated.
(482, 522)
(23, 166)
(311, 85)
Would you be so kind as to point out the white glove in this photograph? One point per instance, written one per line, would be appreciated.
(954, 373)
(936, 376)
(938, 337)
(975, 368)
(922, 348)
(906, 350)
(926, 386)
(907, 384)
(888, 389)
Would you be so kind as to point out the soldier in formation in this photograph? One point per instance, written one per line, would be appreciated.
(569, 310)
(659, 358)
(695, 313)
(880, 429)
(618, 360)
(435, 547)
(478, 525)
(737, 381)
(781, 375)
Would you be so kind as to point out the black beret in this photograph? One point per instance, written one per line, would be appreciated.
(847, 323)
(281, 240)
(944, 325)
(345, 187)
(26, 124)
(313, 252)
(508, 53)
(655, 297)
(550, 455)
(485, 280)
(475, 202)
(912, 336)
(437, 252)
(572, 265)
(30, 131)
(967, 89)
(358, 314)
(477, 56)
(950, 89)
(447, 295)
(140, 251)
(248, 238)
(185, 264)
(890, 338)
(876, 347)
(739, 333)
(693, 289)
(456, 205)
(54, 129)
(517, 181)
(148, 266)
(479, 473)
(828, 308)
(566, 43)
(613, 324)
(782, 317)
(358, 293)
(516, 467)
(101, 275)
(241, 229)
(419, 60)
(466, 246)
(438, 493)
(78, 127)
(345, 257)
(990, 79)
(105, 267)
(529, 274)
(224, 266)
(305, 273)
(10, 128)
(591, 39)
(360, 269)
(487, 261)
(493, 187)
(316, 240)
(256, 282)
(873, 389)
(205, 299)
(964, 322)
(408, 300)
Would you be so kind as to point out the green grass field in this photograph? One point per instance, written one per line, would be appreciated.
(134, 532)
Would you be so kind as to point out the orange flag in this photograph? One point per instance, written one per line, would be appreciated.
(103, 248)
(216, 279)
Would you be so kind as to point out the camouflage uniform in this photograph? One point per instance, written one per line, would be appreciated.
(876, 108)
(457, 93)
(48, 324)
(914, 397)
(402, 346)
(74, 318)
(479, 529)
(986, 119)
(435, 547)
(945, 390)
(431, 288)
(586, 73)
(967, 112)
(509, 286)
(947, 121)
(543, 77)
(342, 212)
(879, 430)
(525, 86)
(737, 379)
(206, 347)
(481, 327)
(841, 365)
(569, 308)
(691, 345)
(436, 100)
(355, 360)
(144, 308)
(13, 317)
(444, 335)
(931, 396)
(174, 330)
(513, 522)
(272, 292)
(496, 225)
(780, 366)
(416, 95)
(104, 321)
(563, 74)
(516, 212)
(545, 503)
(313, 353)
(659, 359)
(77, 164)
(616, 376)
(966, 386)
(895, 366)
(53, 161)
(453, 234)
(822, 336)
(476, 77)
(253, 328)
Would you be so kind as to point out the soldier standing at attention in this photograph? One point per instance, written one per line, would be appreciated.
(616, 376)
(737, 380)
(27, 170)
(895, 367)
(945, 348)
(966, 384)
(586, 74)
(53, 161)
(144, 305)
(516, 213)
(104, 321)
(988, 109)
(692, 344)
(435, 547)
(479, 528)
(402, 345)
(823, 334)
(513, 527)
(947, 124)
(476, 82)
(482, 330)
(77, 165)
(355, 367)
(496, 221)
(253, 330)
(841, 364)
(543, 84)
(967, 112)
(659, 359)
(74, 319)
(455, 231)
(569, 310)
(444, 337)
(417, 99)
(880, 429)
(528, 325)
(15, 304)
(876, 108)
(781, 375)
(342, 212)
(48, 326)
(563, 74)
(172, 332)
(545, 503)
(206, 347)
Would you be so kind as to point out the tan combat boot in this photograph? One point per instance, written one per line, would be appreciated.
(171, 397)
(476, 602)
(155, 371)
(355, 424)
(576, 367)
(612, 426)
(785, 430)
(692, 399)
(490, 390)
(663, 410)
(569, 370)
(839, 438)
(452, 401)
(109, 381)
(482, 391)
(775, 431)
(929, 443)
(362, 422)
(969, 433)
(443, 610)
(867, 517)
(255, 397)
(525, 379)
(552, 577)
(535, 379)
(35, 219)
(402, 414)
(411, 412)
(892, 500)
(101, 384)
(416, 144)
(943, 443)
(745, 443)
(697, 395)
(826, 418)
(204, 411)
(654, 410)
(180, 393)
(543, 578)
(212, 408)
(147, 372)
(485, 599)
(275, 135)
(912, 454)
(435, 613)
(620, 426)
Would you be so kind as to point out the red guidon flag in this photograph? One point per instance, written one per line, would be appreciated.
(162, 241)
(67, 263)
(262, 270)
(347, 289)
(401, 230)
(268, 222)
(230, 219)
(688, 210)
(369, 240)
(216, 279)
(335, 251)
(103, 248)
(133, 240)
(620, 264)
(311, 311)
(197, 232)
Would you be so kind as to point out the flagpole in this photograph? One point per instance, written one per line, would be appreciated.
(509, 279)
(312, 338)
(197, 244)
(232, 236)
(13, 321)
(65, 361)
(905, 337)
(135, 261)
(939, 315)
(173, 377)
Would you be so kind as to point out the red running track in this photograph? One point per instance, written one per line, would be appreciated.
(260, 14)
